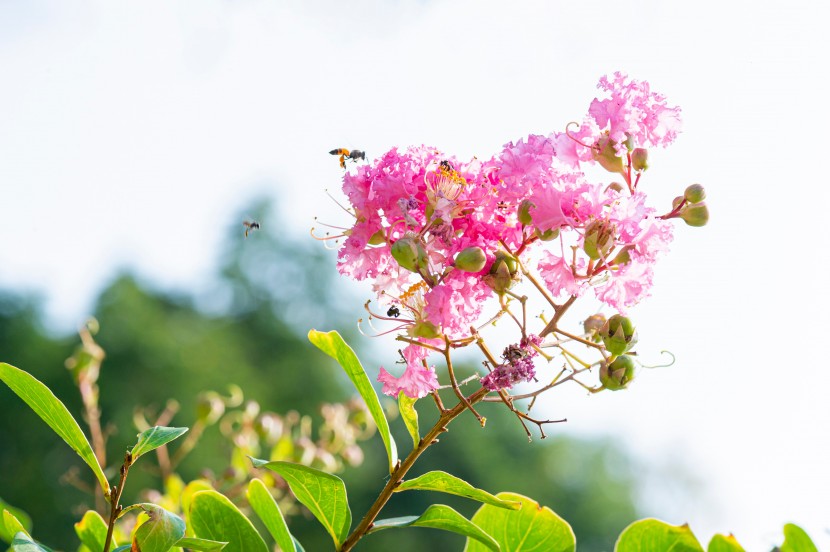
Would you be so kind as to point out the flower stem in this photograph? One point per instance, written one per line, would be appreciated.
(402, 468)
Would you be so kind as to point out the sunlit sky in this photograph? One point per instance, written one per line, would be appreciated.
(130, 133)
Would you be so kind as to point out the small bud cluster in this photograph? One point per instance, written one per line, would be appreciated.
(517, 365)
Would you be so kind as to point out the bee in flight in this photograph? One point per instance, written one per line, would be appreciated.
(393, 311)
(250, 225)
(344, 154)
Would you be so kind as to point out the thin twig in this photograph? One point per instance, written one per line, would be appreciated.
(115, 497)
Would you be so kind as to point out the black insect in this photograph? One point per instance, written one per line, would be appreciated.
(393, 311)
(250, 225)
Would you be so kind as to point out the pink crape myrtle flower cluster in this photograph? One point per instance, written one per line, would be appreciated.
(439, 237)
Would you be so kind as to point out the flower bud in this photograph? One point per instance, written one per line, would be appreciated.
(471, 259)
(524, 212)
(624, 256)
(410, 254)
(639, 159)
(694, 193)
(675, 203)
(618, 334)
(696, 214)
(599, 239)
(618, 374)
(209, 408)
(606, 155)
(547, 235)
(378, 238)
(593, 324)
(616, 186)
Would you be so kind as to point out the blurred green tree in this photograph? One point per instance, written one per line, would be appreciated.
(250, 330)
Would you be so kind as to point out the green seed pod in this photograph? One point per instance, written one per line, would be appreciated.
(523, 213)
(675, 203)
(618, 374)
(606, 156)
(471, 259)
(547, 235)
(410, 254)
(424, 329)
(696, 214)
(694, 193)
(599, 239)
(639, 159)
(503, 272)
(618, 334)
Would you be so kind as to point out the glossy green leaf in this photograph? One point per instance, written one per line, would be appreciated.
(203, 545)
(652, 535)
(160, 532)
(333, 345)
(724, 543)
(797, 540)
(214, 517)
(92, 530)
(124, 548)
(24, 543)
(322, 493)
(531, 528)
(450, 484)
(154, 438)
(409, 416)
(21, 519)
(52, 411)
(442, 517)
(266, 508)
(187, 496)
(12, 526)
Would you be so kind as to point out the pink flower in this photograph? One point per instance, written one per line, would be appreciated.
(634, 110)
(628, 285)
(417, 380)
(559, 277)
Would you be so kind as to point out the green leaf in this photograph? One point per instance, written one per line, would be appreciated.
(266, 508)
(450, 484)
(530, 528)
(160, 532)
(187, 496)
(322, 493)
(409, 415)
(200, 544)
(123, 548)
(797, 540)
(12, 526)
(52, 411)
(333, 345)
(24, 543)
(724, 543)
(652, 535)
(22, 518)
(214, 517)
(442, 517)
(92, 530)
(154, 438)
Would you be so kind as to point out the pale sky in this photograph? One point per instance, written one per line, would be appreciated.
(130, 133)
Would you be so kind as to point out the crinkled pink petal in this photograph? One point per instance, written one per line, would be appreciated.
(416, 382)
(558, 276)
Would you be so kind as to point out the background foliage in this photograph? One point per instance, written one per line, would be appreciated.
(250, 331)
